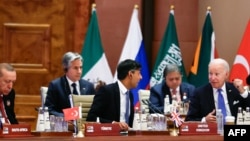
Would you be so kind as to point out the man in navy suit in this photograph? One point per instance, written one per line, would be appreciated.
(60, 88)
(205, 100)
(7, 93)
(172, 81)
(110, 101)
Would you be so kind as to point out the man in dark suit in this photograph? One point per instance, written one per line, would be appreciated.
(7, 93)
(59, 89)
(110, 101)
(172, 81)
(205, 100)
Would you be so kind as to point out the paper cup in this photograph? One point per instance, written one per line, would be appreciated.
(229, 120)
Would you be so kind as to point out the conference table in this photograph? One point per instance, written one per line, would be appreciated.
(142, 137)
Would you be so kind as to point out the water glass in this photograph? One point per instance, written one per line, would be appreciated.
(58, 124)
(52, 122)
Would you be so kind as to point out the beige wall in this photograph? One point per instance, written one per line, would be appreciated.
(229, 19)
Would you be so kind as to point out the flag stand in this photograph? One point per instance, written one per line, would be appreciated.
(80, 133)
(174, 132)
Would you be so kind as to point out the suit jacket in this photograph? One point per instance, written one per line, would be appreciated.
(58, 94)
(106, 105)
(203, 102)
(159, 91)
(9, 103)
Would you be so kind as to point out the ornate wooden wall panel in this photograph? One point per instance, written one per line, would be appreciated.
(34, 35)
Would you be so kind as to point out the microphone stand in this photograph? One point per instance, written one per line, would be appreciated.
(158, 112)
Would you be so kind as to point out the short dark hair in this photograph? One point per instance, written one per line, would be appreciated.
(125, 66)
(248, 80)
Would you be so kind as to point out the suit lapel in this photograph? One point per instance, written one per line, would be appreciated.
(117, 99)
(210, 95)
(229, 96)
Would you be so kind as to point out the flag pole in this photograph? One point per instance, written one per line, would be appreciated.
(209, 8)
(172, 7)
(93, 5)
(136, 6)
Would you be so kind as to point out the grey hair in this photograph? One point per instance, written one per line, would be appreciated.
(171, 68)
(6, 66)
(220, 61)
(68, 58)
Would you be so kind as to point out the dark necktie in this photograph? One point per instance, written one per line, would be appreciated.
(127, 108)
(2, 110)
(74, 88)
(221, 104)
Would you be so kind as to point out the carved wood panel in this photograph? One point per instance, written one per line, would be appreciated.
(34, 36)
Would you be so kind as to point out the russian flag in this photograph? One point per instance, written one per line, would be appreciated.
(134, 49)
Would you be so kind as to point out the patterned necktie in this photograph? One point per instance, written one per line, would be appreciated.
(174, 95)
(2, 110)
(127, 108)
(74, 88)
(221, 104)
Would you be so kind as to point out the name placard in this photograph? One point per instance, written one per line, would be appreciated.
(102, 129)
(14, 130)
(198, 128)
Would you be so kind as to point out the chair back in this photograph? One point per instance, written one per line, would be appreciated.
(144, 95)
(43, 92)
(85, 101)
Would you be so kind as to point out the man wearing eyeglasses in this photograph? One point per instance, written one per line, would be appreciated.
(7, 94)
(172, 86)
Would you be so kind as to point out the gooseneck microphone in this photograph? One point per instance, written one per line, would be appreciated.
(151, 106)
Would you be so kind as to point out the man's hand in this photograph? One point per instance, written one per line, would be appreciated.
(211, 117)
(238, 83)
(123, 125)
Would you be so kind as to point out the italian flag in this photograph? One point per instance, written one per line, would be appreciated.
(95, 64)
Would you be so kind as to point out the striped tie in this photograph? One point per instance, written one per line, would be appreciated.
(2, 110)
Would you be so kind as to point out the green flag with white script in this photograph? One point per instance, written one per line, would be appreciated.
(169, 53)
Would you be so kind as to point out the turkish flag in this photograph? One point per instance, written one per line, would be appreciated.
(241, 68)
(71, 113)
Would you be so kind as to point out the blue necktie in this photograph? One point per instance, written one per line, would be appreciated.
(127, 107)
(74, 88)
(221, 104)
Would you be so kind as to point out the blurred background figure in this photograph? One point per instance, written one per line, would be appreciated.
(172, 86)
(7, 94)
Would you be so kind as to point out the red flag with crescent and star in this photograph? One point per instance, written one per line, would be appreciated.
(71, 113)
(241, 65)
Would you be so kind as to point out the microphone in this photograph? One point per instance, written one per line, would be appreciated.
(151, 106)
(146, 103)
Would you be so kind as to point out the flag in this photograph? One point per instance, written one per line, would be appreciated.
(71, 113)
(169, 52)
(176, 118)
(95, 65)
(134, 49)
(205, 52)
(241, 68)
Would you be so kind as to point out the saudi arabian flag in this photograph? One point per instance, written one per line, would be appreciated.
(169, 53)
(95, 65)
(205, 52)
